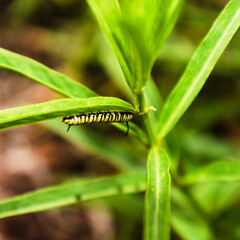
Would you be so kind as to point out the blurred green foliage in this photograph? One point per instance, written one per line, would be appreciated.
(207, 135)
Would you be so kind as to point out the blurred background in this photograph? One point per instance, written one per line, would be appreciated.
(64, 35)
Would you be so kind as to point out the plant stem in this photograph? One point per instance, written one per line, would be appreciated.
(146, 120)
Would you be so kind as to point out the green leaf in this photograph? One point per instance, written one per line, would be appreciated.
(190, 230)
(147, 26)
(89, 141)
(200, 67)
(161, 15)
(111, 66)
(157, 199)
(59, 108)
(221, 171)
(38, 72)
(187, 220)
(136, 30)
(207, 146)
(108, 15)
(218, 196)
(72, 193)
(183, 201)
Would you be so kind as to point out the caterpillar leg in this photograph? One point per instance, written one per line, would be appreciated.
(127, 128)
(69, 127)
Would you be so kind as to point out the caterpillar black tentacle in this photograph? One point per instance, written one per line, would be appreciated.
(127, 129)
(100, 117)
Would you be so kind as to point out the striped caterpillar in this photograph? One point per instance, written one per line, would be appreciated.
(100, 117)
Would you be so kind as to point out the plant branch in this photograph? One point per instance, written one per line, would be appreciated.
(146, 120)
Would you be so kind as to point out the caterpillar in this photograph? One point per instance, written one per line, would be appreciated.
(99, 117)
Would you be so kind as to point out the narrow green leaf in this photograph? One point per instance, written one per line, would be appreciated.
(38, 72)
(121, 204)
(157, 200)
(111, 66)
(108, 15)
(188, 221)
(163, 22)
(218, 196)
(207, 146)
(72, 193)
(200, 67)
(59, 108)
(184, 202)
(221, 171)
(147, 25)
(189, 229)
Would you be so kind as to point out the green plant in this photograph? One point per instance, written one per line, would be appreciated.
(136, 31)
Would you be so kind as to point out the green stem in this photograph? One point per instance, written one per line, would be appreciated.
(146, 120)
